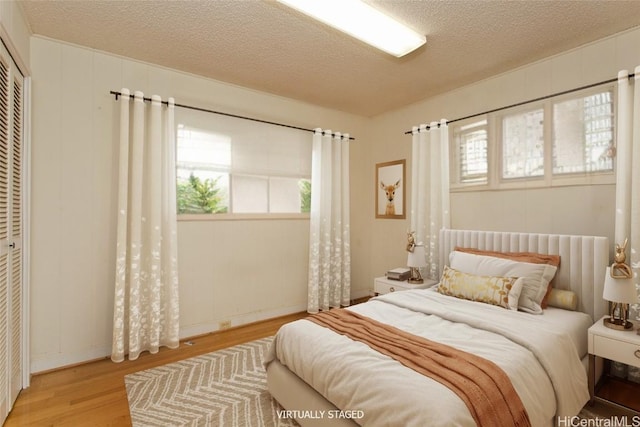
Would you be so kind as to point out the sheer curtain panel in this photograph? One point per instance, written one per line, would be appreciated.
(329, 239)
(146, 314)
(430, 188)
(627, 217)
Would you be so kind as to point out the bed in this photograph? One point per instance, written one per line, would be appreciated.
(322, 377)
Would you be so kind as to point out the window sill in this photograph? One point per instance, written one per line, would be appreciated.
(243, 217)
(528, 184)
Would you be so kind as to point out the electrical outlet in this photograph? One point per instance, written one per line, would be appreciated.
(225, 324)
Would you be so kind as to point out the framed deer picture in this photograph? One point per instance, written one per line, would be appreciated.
(391, 189)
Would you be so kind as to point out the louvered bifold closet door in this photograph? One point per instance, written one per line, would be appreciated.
(11, 232)
(15, 245)
(5, 132)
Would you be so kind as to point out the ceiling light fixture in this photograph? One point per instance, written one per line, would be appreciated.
(363, 22)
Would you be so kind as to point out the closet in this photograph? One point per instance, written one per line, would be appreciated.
(11, 232)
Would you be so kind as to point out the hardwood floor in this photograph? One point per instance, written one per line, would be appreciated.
(621, 391)
(94, 393)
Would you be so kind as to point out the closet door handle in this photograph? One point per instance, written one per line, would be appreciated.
(12, 245)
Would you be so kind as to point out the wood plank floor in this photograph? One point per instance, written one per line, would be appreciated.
(94, 393)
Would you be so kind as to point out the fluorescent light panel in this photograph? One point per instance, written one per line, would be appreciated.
(363, 22)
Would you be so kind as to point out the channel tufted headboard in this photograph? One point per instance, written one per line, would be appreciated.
(583, 259)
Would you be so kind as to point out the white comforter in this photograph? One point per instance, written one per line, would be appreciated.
(543, 364)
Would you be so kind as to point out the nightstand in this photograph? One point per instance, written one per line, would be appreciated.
(382, 285)
(611, 344)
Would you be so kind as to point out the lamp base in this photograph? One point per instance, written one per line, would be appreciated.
(619, 324)
(415, 278)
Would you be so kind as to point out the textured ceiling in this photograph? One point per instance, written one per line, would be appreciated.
(265, 46)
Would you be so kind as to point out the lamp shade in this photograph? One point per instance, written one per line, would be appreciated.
(619, 290)
(417, 258)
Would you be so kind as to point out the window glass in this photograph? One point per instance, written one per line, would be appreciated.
(250, 194)
(583, 134)
(523, 144)
(471, 143)
(285, 195)
(203, 165)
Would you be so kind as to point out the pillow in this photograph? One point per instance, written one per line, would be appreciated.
(537, 276)
(563, 299)
(500, 291)
(531, 257)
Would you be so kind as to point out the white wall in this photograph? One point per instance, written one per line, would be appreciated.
(74, 181)
(569, 210)
(74, 147)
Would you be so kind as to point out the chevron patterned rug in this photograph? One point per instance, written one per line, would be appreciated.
(224, 388)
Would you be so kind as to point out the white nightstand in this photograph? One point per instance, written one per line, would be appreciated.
(611, 344)
(382, 285)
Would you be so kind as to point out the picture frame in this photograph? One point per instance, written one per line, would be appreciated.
(391, 189)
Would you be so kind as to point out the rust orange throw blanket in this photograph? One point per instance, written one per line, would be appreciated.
(481, 384)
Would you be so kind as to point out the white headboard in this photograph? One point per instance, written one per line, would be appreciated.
(583, 259)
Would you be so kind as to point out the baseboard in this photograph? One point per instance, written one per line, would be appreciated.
(360, 293)
(67, 360)
(205, 328)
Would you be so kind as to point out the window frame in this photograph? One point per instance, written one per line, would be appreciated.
(548, 179)
(230, 215)
(456, 171)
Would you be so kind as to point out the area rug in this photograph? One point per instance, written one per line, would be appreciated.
(224, 388)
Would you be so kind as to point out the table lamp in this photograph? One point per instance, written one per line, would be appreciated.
(620, 292)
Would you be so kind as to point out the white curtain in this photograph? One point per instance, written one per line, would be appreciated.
(627, 216)
(430, 189)
(146, 312)
(329, 240)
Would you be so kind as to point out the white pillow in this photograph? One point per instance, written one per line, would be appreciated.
(536, 276)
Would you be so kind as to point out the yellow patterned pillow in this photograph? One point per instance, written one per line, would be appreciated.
(487, 289)
(563, 299)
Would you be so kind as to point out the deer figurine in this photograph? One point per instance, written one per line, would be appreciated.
(390, 193)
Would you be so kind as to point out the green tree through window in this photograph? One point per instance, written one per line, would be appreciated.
(305, 195)
(197, 196)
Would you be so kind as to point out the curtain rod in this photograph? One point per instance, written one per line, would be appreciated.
(204, 110)
(542, 98)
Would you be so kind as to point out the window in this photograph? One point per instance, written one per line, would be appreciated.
(583, 134)
(471, 140)
(523, 144)
(231, 165)
(560, 141)
(203, 165)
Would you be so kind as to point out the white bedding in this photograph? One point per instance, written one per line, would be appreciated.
(541, 360)
(574, 323)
